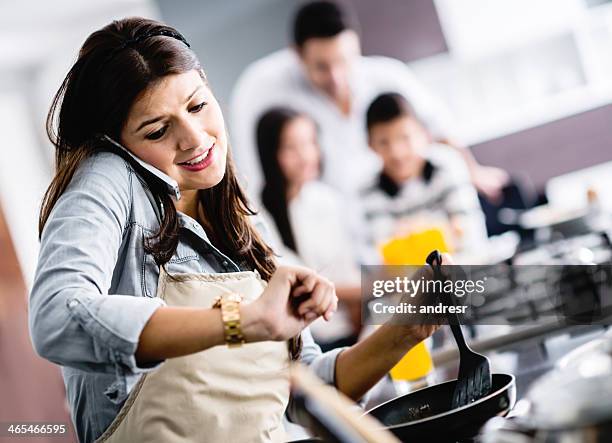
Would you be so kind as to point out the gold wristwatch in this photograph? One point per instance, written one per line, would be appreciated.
(230, 314)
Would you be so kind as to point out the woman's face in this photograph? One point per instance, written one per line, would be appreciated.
(298, 155)
(176, 125)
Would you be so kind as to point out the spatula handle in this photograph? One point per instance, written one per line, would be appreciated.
(434, 259)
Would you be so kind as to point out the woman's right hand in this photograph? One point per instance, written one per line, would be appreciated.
(274, 316)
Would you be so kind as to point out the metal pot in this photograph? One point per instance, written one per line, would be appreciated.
(570, 404)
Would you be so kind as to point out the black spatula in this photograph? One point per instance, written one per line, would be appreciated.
(474, 380)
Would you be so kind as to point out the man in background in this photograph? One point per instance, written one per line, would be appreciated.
(325, 76)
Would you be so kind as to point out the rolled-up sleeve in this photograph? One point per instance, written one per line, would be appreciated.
(73, 319)
(322, 364)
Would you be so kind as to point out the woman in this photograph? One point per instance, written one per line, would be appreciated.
(309, 216)
(149, 261)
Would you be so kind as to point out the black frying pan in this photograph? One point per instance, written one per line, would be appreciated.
(426, 415)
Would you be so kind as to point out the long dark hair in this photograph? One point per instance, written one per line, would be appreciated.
(115, 65)
(274, 193)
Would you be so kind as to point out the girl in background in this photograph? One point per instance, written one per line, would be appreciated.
(309, 216)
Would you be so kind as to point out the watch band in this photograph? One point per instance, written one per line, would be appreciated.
(230, 314)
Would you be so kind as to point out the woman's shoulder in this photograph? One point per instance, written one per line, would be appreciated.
(106, 164)
(106, 177)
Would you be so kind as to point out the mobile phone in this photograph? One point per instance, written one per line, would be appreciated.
(169, 182)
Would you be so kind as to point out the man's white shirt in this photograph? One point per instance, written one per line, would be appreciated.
(348, 164)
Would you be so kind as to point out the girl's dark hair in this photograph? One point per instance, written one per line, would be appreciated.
(114, 66)
(274, 193)
(387, 107)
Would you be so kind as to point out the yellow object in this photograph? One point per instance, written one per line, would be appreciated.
(415, 365)
(413, 249)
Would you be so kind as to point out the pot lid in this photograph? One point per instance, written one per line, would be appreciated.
(578, 391)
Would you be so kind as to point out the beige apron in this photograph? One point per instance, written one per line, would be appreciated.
(223, 395)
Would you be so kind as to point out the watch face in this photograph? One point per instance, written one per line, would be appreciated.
(233, 297)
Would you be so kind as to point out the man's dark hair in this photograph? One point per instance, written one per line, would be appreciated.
(321, 19)
(387, 107)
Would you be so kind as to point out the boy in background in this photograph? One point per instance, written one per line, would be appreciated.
(421, 185)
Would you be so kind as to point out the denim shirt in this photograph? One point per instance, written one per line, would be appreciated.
(95, 288)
